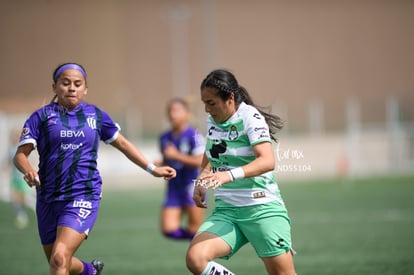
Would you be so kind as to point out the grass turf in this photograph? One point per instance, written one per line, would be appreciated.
(355, 227)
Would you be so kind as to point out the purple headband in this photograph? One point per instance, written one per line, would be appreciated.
(69, 66)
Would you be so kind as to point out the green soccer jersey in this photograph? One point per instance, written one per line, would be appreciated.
(230, 145)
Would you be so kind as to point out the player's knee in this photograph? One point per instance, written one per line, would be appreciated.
(58, 260)
(195, 261)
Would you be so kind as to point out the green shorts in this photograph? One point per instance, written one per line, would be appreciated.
(265, 226)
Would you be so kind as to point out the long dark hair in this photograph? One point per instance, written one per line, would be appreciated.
(225, 83)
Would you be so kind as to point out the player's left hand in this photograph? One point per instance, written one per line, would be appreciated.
(215, 180)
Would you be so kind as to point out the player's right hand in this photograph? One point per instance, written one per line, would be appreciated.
(164, 171)
(199, 196)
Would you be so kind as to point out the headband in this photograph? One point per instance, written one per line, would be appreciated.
(69, 66)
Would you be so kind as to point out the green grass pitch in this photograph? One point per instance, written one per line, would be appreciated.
(354, 227)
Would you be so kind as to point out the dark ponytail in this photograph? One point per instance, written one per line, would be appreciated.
(225, 83)
(53, 99)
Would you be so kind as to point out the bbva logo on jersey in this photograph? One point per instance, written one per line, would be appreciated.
(71, 133)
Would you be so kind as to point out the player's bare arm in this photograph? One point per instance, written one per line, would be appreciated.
(199, 194)
(21, 161)
(133, 154)
(171, 152)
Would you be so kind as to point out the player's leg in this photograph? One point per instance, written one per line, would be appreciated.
(62, 228)
(217, 237)
(19, 187)
(171, 222)
(176, 200)
(268, 231)
(48, 248)
(203, 249)
(18, 200)
(22, 219)
(30, 200)
(195, 215)
(195, 219)
(61, 259)
(280, 265)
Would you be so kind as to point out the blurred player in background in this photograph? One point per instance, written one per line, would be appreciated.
(182, 148)
(238, 164)
(22, 196)
(67, 133)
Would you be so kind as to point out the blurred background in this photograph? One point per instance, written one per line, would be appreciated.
(339, 73)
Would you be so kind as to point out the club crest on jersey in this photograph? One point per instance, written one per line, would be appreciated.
(25, 131)
(233, 134)
(91, 122)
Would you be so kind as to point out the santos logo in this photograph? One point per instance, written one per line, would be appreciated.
(71, 133)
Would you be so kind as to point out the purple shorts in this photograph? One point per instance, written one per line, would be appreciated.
(79, 215)
(179, 196)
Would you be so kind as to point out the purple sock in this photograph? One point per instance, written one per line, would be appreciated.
(88, 269)
(189, 235)
(179, 234)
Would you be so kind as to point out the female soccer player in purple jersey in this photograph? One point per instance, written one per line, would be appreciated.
(182, 148)
(67, 133)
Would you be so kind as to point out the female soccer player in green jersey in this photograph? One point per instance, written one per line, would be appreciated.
(238, 164)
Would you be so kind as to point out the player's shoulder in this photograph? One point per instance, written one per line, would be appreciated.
(247, 111)
(92, 110)
(50, 107)
(193, 134)
(191, 130)
(89, 106)
(165, 134)
(46, 111)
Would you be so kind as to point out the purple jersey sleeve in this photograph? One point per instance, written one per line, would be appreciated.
(110, 129)
(30, 131)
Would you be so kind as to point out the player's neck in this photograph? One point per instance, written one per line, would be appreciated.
(178, 130)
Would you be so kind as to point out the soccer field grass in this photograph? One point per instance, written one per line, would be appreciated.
(357, 227)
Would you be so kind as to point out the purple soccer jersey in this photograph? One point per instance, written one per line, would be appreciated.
(190, 142)
(68, 143)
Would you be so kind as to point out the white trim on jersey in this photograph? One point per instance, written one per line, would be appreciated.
(114, 137)
(27, 141)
